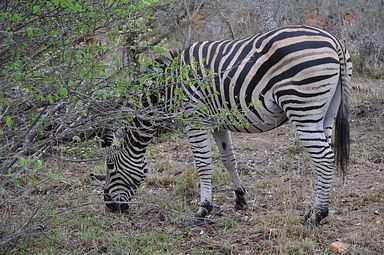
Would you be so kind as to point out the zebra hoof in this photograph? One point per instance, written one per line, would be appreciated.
(241, 204)
(204, 209)
(200, 217)
(196, 221)
(314, 217)
(320, 215)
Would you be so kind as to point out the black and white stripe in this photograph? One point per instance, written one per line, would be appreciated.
(297, 73)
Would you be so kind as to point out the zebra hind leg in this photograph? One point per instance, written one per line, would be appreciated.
(316, 144)
(324, 161)
(331, 114)
(224, 143)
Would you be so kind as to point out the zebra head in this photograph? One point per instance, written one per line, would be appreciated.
(126, 162)
(119, 199)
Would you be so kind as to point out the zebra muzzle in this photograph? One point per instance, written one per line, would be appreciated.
(114, 206)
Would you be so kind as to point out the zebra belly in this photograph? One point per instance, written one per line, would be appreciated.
(253, 119)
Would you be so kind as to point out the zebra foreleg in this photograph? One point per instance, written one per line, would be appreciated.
(224, 143)
(201, 148)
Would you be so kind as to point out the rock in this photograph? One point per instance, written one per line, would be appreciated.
(339, 247)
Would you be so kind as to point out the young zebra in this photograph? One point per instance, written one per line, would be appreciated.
(296, 73)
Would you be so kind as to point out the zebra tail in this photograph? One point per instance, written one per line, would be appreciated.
(342, 139)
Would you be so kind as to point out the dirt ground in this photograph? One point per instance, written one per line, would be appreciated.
(62, 211)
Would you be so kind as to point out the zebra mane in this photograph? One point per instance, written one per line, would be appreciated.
(161, 63)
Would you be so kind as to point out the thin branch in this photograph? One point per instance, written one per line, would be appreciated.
(190, 19)
(24, 231)
(225, 19)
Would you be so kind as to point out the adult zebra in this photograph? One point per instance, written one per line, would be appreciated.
(296, 73)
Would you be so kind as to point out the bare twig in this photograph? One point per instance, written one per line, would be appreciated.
(225, 19)
(24, 231)
(187, 5)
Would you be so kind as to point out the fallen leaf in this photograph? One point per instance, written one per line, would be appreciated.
(339, 247)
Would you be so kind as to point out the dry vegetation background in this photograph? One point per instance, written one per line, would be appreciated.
(49, 205)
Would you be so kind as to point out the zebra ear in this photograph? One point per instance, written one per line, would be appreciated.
(163, 62)
(157, 67)
(174, 53)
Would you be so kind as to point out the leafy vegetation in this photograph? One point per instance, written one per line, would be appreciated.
(61, 70)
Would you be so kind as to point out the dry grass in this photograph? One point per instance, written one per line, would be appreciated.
(61, 210)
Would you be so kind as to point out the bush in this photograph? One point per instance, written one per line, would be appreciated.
(63, 68)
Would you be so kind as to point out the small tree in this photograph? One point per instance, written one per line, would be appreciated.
(62, 70)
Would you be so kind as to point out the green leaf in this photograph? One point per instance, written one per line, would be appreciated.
(23, 162)
(76, 139)
(18, 181)
(51, 99)
(63, 91)
(38, 164)
(75, 8)
(15, 64)
(4, 15)
(40, 97)
(8, 121)
(36, 10)
(160, 49)
(55, 33)
(152, 3)
(130, 118)
(16, 17)
(46, 121)
(29, 32)
(32, 177)
(17, 76)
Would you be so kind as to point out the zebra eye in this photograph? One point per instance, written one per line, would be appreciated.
(110, 166)
(144, 164)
